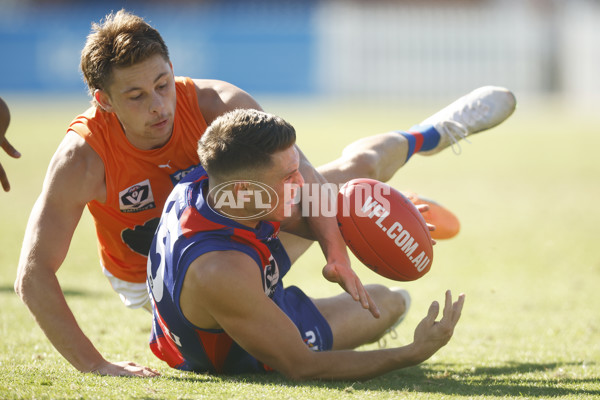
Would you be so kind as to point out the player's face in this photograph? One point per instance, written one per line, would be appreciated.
(283, 175)
(143, 98)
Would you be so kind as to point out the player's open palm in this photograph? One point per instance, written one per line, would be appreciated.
(431, 335)
(126, 368)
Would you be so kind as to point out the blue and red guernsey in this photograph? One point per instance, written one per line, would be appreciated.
(189, 228)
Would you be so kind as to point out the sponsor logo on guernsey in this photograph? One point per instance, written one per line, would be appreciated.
(137, 198)
(179, 175)
(396, 232)
(167, 165)
(271, 274)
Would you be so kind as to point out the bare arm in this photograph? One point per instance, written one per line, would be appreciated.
(8, 148)
(325, 230)
(224, 290)
(75, 176)
(215, 98)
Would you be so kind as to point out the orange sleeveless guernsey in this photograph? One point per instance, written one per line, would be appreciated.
(138, 182)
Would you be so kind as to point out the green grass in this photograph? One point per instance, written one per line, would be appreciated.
(527, 258)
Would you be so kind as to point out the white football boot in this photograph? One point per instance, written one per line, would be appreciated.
(477, 111)
(382, 342)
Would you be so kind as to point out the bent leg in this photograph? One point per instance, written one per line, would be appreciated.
(353, 326)
(375, 157)
(380, 156)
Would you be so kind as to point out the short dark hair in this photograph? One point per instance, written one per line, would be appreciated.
(243, 141)
(121, 40)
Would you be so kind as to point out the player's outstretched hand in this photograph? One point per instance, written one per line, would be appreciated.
(125, 368)
(345, 276)
(431, 335)
(14, 153)
(8, 148)
(424, 208)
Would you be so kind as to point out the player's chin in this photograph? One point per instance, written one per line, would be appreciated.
(162, 128)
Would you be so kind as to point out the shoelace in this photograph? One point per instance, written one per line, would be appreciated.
(455, 132)
(391, 331)
(382, 342)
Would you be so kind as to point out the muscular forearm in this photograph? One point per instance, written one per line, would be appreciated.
(42, 294)
(356, 365)
(430, 336)
(323, 225)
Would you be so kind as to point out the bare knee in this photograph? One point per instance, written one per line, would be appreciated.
(362, 163)
(391, 304)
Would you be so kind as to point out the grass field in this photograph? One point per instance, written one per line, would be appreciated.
(527, 258)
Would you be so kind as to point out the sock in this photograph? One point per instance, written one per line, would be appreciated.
(420, 138)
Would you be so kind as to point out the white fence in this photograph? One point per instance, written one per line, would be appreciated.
(401, 50)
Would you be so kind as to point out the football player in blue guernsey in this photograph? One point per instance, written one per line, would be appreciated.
(216, 265)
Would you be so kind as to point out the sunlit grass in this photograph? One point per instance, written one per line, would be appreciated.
(526, 257)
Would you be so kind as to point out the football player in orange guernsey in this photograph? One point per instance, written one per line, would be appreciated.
(121, 158)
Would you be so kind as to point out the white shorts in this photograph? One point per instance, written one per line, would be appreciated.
(133, 295)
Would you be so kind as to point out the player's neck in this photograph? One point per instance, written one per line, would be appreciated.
(223, 206)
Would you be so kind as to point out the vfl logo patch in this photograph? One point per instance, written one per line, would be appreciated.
(137, 198)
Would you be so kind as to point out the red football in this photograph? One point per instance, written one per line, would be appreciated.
(384, 230)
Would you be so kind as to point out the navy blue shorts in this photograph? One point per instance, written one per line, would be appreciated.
(313, 327)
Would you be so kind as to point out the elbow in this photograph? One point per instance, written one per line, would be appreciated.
(24, 286)
(298, 371)
(20, 287)
(293, 374)
(35, 282)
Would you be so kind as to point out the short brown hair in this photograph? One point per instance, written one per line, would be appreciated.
(121, 40)
(242, 141)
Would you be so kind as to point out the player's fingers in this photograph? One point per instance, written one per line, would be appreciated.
(423, 207)
(363, 296)
(4, 179)
(371, 304)
(149, 372)
(432, 313)
(447, 313)
(140, 370)
(431, 229)
(457, 308)
(10, 150)
(351, 286)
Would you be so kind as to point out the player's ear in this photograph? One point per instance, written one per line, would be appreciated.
(241, 185)
(103, 100)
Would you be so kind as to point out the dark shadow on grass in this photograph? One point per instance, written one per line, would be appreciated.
(79, 293)
(67, 291)
(7, 289)
(510, 379)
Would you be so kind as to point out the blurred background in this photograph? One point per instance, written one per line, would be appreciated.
(417, 50)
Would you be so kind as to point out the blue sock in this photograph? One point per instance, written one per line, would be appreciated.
(420, 138)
